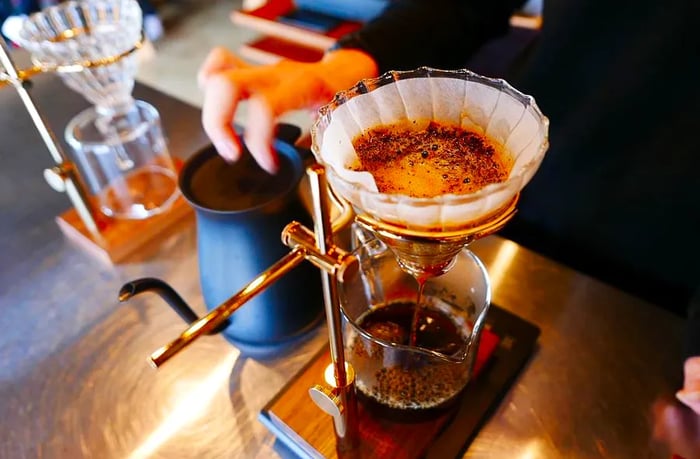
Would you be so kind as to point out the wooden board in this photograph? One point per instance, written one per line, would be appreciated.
(123, 239)
(270, 50)
(294, 414)
(265, 20)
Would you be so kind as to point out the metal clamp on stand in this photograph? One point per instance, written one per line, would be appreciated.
(340, 400)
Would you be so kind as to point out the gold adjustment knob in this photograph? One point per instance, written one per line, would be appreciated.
(327, 399)
(56, 178)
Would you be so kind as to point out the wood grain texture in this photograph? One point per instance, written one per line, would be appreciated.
(298, 416)
(265, 21)
(123, 238)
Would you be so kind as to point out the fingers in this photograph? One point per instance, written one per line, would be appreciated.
(221, 98)
(691, 370)
(222, 92)
(259, 133)
(677, 427)
(264, 108)
(690, 394)
(690, 399)
(272, 90)
(217, 60)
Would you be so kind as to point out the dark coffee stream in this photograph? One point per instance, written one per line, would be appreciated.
(434, 330)
(417, 310)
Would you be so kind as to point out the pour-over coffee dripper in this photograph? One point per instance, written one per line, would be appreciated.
(118, 143)
(426, 234)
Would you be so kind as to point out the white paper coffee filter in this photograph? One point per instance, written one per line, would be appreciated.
(462, 98)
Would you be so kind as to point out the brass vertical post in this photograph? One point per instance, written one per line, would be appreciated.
(346, 427)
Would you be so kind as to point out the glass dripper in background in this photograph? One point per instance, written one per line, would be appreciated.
(426, 234)
(118, 143)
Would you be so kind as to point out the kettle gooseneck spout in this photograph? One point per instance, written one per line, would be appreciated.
(168, 294)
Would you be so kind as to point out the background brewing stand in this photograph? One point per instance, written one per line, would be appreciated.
(506, 345)
(111, 238)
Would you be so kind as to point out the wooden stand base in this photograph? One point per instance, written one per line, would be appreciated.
(121, 239)
(505, 346)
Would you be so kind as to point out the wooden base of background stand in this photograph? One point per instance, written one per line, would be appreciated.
(506, 344)
(123, 238)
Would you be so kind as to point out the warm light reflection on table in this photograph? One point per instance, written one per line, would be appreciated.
(192, 399)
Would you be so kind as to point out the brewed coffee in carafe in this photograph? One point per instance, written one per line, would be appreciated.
(395, 378)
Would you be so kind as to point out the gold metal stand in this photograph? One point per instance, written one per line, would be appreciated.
(432, 252)
(111, 240)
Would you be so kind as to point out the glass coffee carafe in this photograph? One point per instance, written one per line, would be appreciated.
(408, 371)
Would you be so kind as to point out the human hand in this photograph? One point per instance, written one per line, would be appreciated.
(271, 90)
(690, 394)
(677, 427)
(676, 424)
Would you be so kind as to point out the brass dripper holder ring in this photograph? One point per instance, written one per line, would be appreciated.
(489, 224)
(432, 252)
(78, 66)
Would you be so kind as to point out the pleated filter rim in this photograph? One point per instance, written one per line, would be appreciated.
(454, 97)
